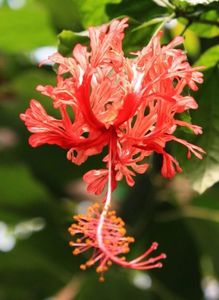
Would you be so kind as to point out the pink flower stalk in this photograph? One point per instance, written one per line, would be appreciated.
(126, 104)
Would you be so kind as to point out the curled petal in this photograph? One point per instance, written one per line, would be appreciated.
(196, 129)
(185, 103)
(46, 129)
(123, 170)
(81, 55)
(197, 151)
(170, 166)
(96, 180)
(105, 45)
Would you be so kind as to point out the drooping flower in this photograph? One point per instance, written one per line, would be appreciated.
(135, 101)
(129, 105)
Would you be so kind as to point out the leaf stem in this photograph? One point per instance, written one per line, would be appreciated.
(165, 20)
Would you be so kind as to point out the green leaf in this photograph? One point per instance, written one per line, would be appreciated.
(78, 15)
(191, 40)
(196, 2)
(210, 58)
(68, 39)
(25, 29)
(206, 30)
(94, 12)
(204, 173)
(64, 14)
(102, 11)
(140, 10)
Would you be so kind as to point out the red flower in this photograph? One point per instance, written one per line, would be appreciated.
(129, 105)
(132, 100)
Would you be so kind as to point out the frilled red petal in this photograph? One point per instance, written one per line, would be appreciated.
(170, 166)
(83, 98)
(46, 129)
(128, 109)
(96, 180)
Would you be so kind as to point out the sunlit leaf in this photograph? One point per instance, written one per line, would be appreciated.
(210, 58)
(191, 40)
(203, 29)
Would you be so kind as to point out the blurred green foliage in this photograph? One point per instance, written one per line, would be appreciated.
(40, 184)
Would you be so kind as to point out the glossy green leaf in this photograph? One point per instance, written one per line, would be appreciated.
(94, 12)
(140, 10)
(68, 39)
(205, 30)
(204, 173)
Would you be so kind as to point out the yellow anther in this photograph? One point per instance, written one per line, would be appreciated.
(90, 262)
(100, 269)
(122, 231)
(83, 267)
(126, 250)
(109, 263)
(88, 241)
(123, 258)
(76, 252)
(101, 279)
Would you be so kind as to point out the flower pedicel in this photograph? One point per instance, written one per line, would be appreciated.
(126, 104)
